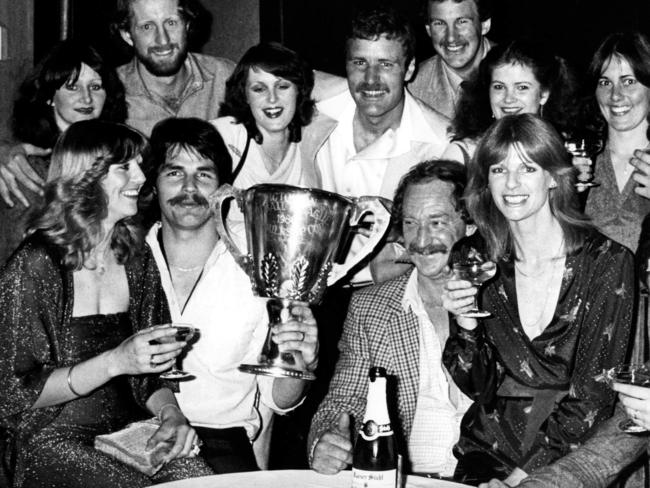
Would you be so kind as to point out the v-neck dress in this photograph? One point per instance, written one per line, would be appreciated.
(535, 400)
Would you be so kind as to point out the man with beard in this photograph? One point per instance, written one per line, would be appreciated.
(400, 325)
(205, 287)
(376, 131)
(457, 29)
(164, 79)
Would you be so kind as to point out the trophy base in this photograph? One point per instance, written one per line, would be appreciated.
(276, 371)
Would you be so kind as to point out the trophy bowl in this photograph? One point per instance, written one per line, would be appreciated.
(293, 236)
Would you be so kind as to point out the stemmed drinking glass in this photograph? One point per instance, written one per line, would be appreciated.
(584, 150)
(630, 374)
(184, 333)
(475, 268)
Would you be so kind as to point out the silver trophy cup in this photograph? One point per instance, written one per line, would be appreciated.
(293, 236)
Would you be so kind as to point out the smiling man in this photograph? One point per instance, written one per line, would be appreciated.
(376, 131)
(457, 29)
(400, 325)
(205, 287)
(164, 79)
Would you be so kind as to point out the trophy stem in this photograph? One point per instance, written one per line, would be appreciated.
(272, 362)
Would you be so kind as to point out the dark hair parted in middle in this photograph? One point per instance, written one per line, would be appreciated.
(633, 47)
(537, 141)
(442, 169)
(282, 62)
(376, 19)
(474, 113)
(169, 136)
(33, 116)
(75, 202)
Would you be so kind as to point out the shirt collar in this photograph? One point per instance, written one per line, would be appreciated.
(411, 299)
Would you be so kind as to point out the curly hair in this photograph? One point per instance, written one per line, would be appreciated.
(33, 117)
(167, 138)
(282, 62)
(534, 140)
(474, 113)
(440, 169)
(191, 11)
(633, 47)
(75, 202)
(373, 20)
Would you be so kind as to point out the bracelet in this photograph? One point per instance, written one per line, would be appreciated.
(74, 392)
(164, 406)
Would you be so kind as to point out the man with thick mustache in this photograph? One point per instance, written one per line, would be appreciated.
(400, 325)
(206, 288)
(457, 29)
(376, 131)
(164, 79)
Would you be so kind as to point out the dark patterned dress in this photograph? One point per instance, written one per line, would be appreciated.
(53, 446)
(535, 400)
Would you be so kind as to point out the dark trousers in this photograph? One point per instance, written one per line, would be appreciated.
(227, 450)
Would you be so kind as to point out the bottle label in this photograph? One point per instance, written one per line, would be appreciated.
(374, 479)
(372, 430)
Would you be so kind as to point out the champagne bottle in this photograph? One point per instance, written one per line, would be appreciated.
(374, 460)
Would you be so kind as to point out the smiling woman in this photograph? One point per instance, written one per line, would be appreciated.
(620, 79)
(514, 78)
(561, 308)
(267, 105)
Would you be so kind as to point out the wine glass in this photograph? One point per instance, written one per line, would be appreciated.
(184, 332)
(473, 267)
(630, 374)
(583, 150)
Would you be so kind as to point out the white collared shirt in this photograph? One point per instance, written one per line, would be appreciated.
(233, 326)
(376, 169)
(440, 404)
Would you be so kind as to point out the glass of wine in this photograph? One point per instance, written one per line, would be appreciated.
(583, 150)
(184, 332)
(473, 267)
(630, 374)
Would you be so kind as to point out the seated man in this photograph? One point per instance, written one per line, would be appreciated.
(205, 287)
(400, 325)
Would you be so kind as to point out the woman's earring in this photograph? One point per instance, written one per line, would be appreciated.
(552, 185)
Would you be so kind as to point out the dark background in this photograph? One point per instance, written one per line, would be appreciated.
(572, 28)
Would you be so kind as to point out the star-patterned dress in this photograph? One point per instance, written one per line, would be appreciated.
(535, 400)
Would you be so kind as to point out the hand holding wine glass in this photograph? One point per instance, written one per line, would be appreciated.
(475, 268)
(183, 333)
(632, 382)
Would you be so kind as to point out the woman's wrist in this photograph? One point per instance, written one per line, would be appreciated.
(111, 365)
(466, 323)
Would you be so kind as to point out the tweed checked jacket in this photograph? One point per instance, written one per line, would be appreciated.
(378, 331)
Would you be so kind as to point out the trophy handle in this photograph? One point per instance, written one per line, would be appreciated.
(223, 193)
(377, 206)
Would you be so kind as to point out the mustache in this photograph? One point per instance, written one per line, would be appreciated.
(191, 198)
(428, 249)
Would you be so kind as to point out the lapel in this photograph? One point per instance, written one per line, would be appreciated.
(314, 136)
(404, 348)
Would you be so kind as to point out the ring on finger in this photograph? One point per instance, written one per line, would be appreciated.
(302, 337)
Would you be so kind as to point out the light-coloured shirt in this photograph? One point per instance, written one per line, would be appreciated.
(440, 404)
(377, 169)
(233, 326)
(254, 171)
(201, 97)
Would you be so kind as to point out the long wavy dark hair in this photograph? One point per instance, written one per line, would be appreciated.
(474, 113)
(33, 117)
(633, 47)
(539, 143)
(282, 62)
(75, 203)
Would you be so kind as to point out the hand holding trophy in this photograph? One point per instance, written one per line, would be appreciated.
(293, 235)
